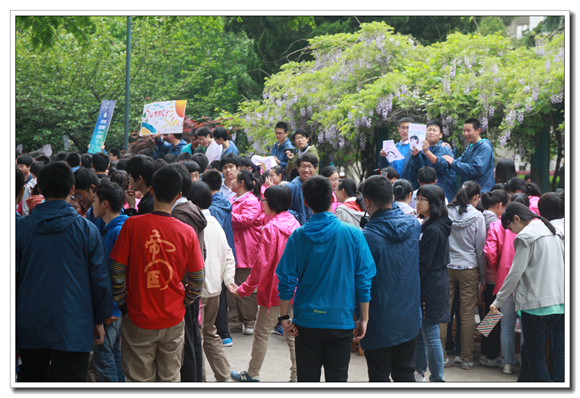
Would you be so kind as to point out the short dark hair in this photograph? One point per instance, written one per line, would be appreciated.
(406, 120)
(307, 157)
(520, 197)
(533, 189)
(402, 188)
(246, 161)
(349, 187)
(169, 158)
(160, 163)
(73, 159)
(84, 178)
(122, 163)
(61, 156)
(100, 161)
(203, 132)
(178, 135)
(427, 175)
(121, 178)
(390, 172)
(19, 180)
(435, 122)
(112, 193)
(213, 179)
(436, 197)
(86, 160)
(302, 132)
(378, 189)
(474, 122)
(528, 176)
(184, 156)
(220, 132)
(216, 165)
(147, 152)
(317, 192)
(26, 160)
(192, 166)
(43, 158)
(35, 168)
(186, 184)
(167, 183)
(200, 195)
(115, 152)
(230, 158)
(55, 180)
(279, 198)
(551, 206)
(201, 160)
(281, 125)
(141, 165)
(516, 184)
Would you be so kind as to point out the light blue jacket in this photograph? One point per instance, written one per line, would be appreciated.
(397, 164)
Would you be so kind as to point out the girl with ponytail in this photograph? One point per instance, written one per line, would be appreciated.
(536, 279)
(403, 192)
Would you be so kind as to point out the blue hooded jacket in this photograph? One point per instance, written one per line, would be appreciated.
(280, 152)
(395, 306)
(63, 285)
(331, 264)
(445, 174)
(112, 231)
(477, 164)
(398, 165)
(221, 209)
(297, 208)
(162, 148)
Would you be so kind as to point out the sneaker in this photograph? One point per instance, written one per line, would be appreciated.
(491, 363)
(227, 342)
(482, 360)
(279, 330)
(419, 377)
(508, 369)
(249, 331)
(293, 381)
(457, 359)
(466, 364)
(243, 376)
(447, 362)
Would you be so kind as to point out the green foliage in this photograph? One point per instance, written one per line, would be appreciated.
(44, 31)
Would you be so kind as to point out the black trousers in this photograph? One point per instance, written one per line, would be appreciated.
(323, 347)
(491, 345)
(221, 320)
(397, 361)
(52, 365)
(191, 369)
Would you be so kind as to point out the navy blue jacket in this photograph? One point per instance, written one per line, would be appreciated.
(280, 152)
(433, 260)
(221, 209)
(162, 148)
(63, 285)
(301, 212)
(477, 164)
(445, 174)
(394, 309)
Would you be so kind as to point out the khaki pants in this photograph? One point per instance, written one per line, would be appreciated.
(212, 342)
(466, 281)
(151, 355)
(265, 322)
(241, 311)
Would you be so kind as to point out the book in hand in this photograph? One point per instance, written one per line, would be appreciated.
(486, 326)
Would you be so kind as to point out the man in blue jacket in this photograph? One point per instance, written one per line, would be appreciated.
(307, 164)
(329, 265)
(477, 162)
(279, 149)
(432, 156)
(162, 148)
(63, 285)
(395, 308)
(403, 147)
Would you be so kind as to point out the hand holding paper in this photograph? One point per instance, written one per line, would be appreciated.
(392, 153)
(417, 134)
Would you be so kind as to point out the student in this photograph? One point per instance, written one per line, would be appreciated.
(162, 148)
(426, 176)
(169, 158)
(247, 227)
(275, 234)
(192, 140)
(350, 212)
(188, 213)
(432, 156)
(100, 163)
(140, 169)
(332, 174)
(393, 238)
(76, 292)
(433, 260)
(327, 267)
(477, 162)
(551, 207)
(114, 154)
(403, 147)
(277, 176)
(184, 157)
(307, 165)
(537, 280)
(200, 147)
(467, 263)
(205, 139)
(108, 203)
(24, 162)
(219, 269)
(301, 138)
(121, 178)
(282, 145)
(35, 168)
(74, 161)
(517, 185)
(86, 160)
(222, 138)
(193, 169)
(230, 165)
(150, 258)
(391, 174)
(201, 160)
(403, 191)
(246, 163)
(505, 169)
(19, 188)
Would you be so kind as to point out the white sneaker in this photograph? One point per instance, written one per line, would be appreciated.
(508, 369)
(419, 377)
(249, 331)
(457, 359)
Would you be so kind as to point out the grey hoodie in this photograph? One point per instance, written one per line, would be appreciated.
(467, 239)
(348, 215)
(537, 273)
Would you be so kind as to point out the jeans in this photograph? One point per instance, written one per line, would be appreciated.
(107, 356)
(533, 355)
(508, 327)
(396, 362)
(428, 347)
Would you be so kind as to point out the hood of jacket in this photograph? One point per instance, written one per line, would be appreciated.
(285, 222)
(534, 231)
(405, 208)
(117, 221)
(219, 201)
(490, 217)
(321, 227)
(393, 225)
(192, 213)
(465, 219)
(444, 224)
(51, 217)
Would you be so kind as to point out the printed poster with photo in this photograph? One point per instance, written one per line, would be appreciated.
(392, 151)
(417, 134)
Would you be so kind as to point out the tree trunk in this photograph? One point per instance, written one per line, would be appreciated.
(541, 158)
(559, 142)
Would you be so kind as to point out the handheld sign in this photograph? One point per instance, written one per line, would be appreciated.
(417, 134)
(265, 162)
(392, 151)
(163, 118)
(102, 126)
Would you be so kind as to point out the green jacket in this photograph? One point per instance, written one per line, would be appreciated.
(292, 162)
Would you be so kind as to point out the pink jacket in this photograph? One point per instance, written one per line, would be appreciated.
(534, 204)
(499, 250)
(274, 238)
(247, 227)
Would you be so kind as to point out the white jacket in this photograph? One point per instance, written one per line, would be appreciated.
(219, 264)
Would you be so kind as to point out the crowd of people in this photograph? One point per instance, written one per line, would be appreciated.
(132, 267)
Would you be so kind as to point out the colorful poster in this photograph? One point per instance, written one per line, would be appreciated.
(265, 162)
(417, 134)
(392, 151)
(102, 126)
(163, 118)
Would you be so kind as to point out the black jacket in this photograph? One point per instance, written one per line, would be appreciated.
(433, 260)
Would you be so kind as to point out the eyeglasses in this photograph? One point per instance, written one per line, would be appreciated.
(404, 128)
(306, 167)
(422, 200)
(334, 179)
(508, 225)
(77, 196)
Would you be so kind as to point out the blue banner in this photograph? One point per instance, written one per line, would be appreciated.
(102, 127)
